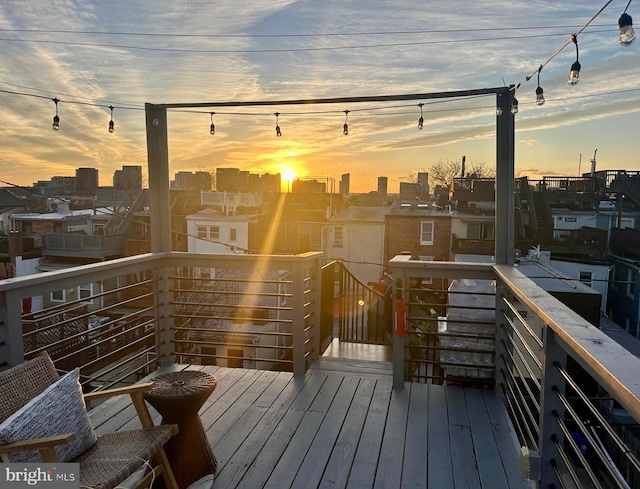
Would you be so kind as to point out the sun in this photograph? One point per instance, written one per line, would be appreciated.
(288, 176)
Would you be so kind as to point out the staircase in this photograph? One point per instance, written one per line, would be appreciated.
(123, 215)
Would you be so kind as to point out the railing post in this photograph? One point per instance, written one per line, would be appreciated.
(550, 403)
(164, 298)
(502, 327)
(316, 312)
(297, 315)
(11, 344)
(399, 322)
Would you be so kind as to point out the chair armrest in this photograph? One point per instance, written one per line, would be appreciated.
(46, 446)
(135, 391)
(118, 391)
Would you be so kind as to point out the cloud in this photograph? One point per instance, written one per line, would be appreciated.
(528, 142)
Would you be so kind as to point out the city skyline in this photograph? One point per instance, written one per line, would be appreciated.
(125, 55)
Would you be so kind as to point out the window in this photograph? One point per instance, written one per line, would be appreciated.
(480, 230)
(214, 232)
(202, 232)
(426, 233)
(98, 229)
(585, 277)
(85, 292)
(631, 282)
(337, 236)
(233, 234)
(57, 296)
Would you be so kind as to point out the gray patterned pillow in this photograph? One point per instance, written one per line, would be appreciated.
(58, 410)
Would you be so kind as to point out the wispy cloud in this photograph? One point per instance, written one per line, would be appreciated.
(528, 142)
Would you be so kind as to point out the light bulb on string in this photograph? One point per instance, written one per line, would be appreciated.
(514, 106)
(56, 119)
(278, 131)
(627, 34)
(498, 110)
(574, 74)
(421, 120)
(345, 128)
(212, 128)
(111, 123)
(539, 91)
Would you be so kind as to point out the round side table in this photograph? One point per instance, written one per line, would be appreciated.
(178, 396)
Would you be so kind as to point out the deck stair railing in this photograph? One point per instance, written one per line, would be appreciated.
(571, 391)
(360, 310)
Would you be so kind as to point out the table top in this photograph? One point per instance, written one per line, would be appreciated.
(181, 385)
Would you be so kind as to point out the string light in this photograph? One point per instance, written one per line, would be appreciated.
(212, 129)
(498, 110)
(56, 119)
(514, 106)
(278, 131)
(421, 120)
(345, 128)
(539, 91)
(627, 35)
(111, 123)
(574, 74)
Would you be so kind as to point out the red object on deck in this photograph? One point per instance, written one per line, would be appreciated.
(400, 317)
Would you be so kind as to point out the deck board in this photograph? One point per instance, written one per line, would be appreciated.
(332, 429)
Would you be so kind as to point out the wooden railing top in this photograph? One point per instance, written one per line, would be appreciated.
(615, 368)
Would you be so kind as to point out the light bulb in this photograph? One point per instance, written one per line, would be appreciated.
(421, 123)
(212, 129)
(574, 74)
(56, 123)
(514, 106)
(345, 129)
(278, 132)
(627, 35)
(498, 110)
(539, 96)
(111, 126)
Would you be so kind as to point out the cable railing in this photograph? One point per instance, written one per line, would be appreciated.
(119, 320)
(570, 390)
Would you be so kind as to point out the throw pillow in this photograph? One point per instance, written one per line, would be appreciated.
(58, 410)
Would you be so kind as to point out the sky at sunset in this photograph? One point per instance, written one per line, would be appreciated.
(125, 53)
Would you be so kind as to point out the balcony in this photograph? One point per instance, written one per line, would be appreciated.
(497, 365)
(472, 246)
(586, 241)
(84, 246)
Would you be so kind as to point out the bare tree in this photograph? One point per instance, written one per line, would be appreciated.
(442, 172)
(211, 171)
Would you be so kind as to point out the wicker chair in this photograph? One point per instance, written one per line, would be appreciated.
(115, 456)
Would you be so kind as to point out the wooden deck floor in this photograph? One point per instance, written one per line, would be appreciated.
(333, 429)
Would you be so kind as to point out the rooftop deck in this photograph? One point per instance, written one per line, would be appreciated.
(332, 429)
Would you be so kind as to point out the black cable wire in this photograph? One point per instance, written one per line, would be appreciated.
(571, 39)
(312, 35)
(280, 50)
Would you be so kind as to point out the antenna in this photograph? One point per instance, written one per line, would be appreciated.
(580, 165)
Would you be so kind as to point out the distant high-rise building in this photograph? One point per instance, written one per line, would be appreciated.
(382, 186)
(128, 177)
(234, 180)
(86, 181)
(423, 179)
(310, 186)
(344, 184)
(185, 180)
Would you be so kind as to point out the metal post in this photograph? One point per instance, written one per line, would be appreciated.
(158, 167)
(297, 326)
(501, 337)
(505, 202)
(164, 296)
(399, 320)
(11, 342)
(549, 402)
